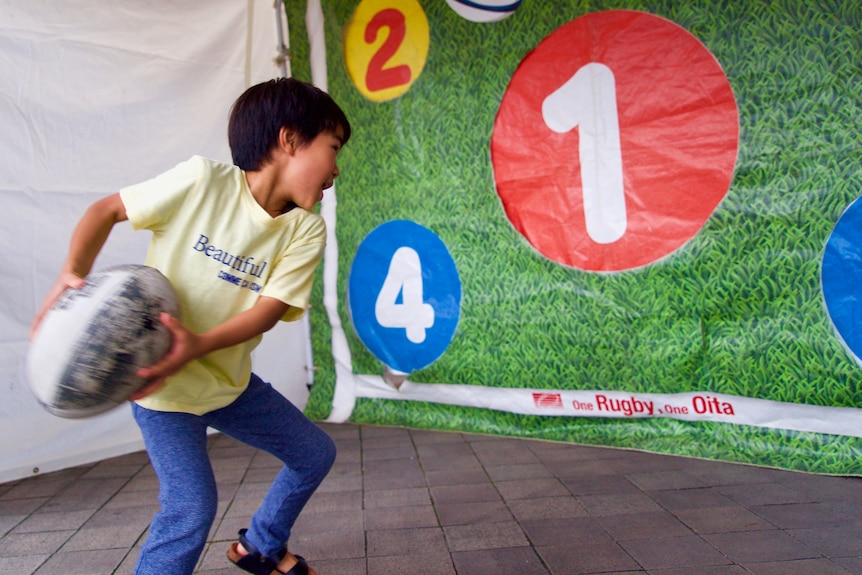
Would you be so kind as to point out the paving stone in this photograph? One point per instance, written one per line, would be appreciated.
(83, 562)
(833, 541)
(764, 494)
(799, 515)
(516, 472)
(64, 521)
(417, 564)
(681, 499)
(85, 494)
(665, 480)
(456, 476)
(337, 501)
(485, 536)
(851, 564)
(393, 542)
(760, 546)
(10, 522)
(546, 508)
(329, 545)
(503, 452)
(393, 474)
(337, 484)
(576, 532)
(690, 552)
(601, 557)
(634, 526)
(443, 451)
(464, 493)
(444, 463)
(400, 517)
(474, 512)
(22, 565)
(799, 567)
(46, 542)
(503, 561)
(389, 452)
(397, 497)
(618, 504)
(529, 488)
(723, 519)
(339, 567)
(704, 570)
(346, 520)
(429, 437)
(116, 537)
(598, 484)
(24, 506)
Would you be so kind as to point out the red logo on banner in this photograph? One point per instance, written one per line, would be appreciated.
(554, 400)
(615, 141)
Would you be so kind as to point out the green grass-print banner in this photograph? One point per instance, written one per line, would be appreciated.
(737, 310)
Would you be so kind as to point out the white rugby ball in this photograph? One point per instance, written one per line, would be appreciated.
(484, 11)
(84, 357)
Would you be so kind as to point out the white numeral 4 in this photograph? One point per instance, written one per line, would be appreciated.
(588, 101)
(405, 278)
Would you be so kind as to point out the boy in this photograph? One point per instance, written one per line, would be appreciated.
(240, 245)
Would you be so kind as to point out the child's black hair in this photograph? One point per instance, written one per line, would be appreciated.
(259, 114)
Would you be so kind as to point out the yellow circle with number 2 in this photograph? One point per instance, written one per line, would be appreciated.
(385, 47)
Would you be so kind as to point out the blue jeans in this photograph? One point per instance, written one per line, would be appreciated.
(177, 445)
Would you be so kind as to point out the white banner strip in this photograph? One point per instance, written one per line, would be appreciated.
(345, 399)
(692, 406)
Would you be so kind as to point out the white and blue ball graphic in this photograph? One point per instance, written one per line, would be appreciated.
(484, 10)
(841, 276)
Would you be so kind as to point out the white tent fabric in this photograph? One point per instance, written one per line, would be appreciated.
(95, 96)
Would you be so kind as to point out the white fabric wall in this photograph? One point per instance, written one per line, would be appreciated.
(95, 96)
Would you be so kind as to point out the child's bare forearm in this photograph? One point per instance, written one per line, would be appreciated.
(246, 325)
(188, 345)
(91, 233)
(89, 236)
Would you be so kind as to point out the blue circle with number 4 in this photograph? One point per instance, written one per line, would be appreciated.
(404, 295)
(841, 278)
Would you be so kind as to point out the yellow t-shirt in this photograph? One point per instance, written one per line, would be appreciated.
(221, 251)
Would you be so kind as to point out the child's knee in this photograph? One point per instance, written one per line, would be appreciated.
(193, 500)
(197, 514)
(325, 454)
(330, 452)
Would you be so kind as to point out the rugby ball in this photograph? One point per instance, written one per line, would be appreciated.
(84, 356)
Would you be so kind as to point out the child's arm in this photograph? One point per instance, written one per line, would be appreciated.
(187, 345)
(87, 240)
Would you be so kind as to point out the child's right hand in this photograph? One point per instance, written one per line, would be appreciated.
(67, 280)
(185, 346)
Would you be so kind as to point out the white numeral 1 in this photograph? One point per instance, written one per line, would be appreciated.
(404, 277)
(588, 101)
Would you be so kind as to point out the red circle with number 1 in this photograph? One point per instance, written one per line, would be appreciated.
(615, 141)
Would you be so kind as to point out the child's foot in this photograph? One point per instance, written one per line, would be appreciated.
(290, 565)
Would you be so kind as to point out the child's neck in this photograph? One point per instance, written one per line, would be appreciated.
(263, 185)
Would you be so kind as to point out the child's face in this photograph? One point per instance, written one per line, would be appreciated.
(313, 168)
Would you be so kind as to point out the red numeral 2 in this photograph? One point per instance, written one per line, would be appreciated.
(379, 78)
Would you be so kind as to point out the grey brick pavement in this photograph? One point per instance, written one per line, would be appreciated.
(405, 502)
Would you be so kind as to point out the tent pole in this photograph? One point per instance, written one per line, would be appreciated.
(283, 58)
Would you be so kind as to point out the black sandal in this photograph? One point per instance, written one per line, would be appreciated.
(257, 564)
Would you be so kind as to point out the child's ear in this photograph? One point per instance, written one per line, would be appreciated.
(287, 140)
